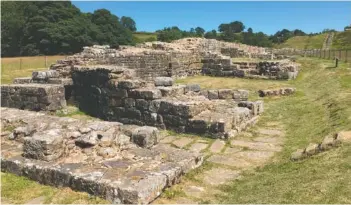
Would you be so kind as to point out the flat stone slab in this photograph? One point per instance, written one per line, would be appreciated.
(270, 132)
(182, 142)
(229, 161)
(256, 145)
(132, 174)
(273, 140)
(218, 176)
(198, 147)
(194, 191)
(230, 150)
(168, 139)
(217, 146)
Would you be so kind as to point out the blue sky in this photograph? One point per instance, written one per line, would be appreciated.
(267, 17)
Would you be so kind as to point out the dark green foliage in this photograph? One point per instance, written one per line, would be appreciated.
(285, 34)
(128, 23)
(211, 34)
(57, 27)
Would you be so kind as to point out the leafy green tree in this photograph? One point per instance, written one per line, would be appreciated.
(199, 31)
(169, 34)
(128, 23)
(211, 34)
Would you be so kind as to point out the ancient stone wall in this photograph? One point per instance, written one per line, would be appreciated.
(184, 108)
(33, 96)
(223, 66)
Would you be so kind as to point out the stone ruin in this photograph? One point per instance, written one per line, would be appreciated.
(124, 163)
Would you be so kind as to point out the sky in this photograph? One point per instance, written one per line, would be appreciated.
(268, 17)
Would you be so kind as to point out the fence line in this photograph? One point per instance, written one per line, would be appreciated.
(30, 62)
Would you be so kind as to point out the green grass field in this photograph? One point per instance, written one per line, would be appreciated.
(24, 66)
(144, 37)
(342, 40)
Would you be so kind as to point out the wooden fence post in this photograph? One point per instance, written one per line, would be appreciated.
(346, 56)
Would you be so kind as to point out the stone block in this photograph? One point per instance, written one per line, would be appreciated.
(298, 155)
(213, 94)
(225, 94)
(88, 140)
(146, 93)
(24, 80)
(130, 84)
(142, 104)
(192, 88)
(312, 149)
(45, 75)
(163, 81)
(46, 145)
(129, 103)
(172, 91)
(145, 136)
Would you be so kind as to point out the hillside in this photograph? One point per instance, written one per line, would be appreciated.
(304, 42)
(342, 40)
(141, 37)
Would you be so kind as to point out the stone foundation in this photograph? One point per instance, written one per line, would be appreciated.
(276, 92)
(105, 159)
(223, 66)
(33, 96)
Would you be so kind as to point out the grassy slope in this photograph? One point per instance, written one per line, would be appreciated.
(321, 106)
(142, 37)
(342, 40)
(304, 42)
(10, 67)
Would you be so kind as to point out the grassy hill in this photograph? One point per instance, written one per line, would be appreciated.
(342, 40)
(144, 36)
(304, 42)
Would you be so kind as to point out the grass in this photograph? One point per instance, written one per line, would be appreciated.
(144, 36)
(304, 42)
(24, 66)
(19, 190)
(321, 106)
(342, 40)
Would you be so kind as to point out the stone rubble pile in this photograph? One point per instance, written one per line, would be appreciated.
(122, 163)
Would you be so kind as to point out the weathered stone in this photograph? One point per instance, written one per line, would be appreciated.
(129, 84)
(46, 145)
(225, 94)
(192, 88)
(182, 142)
(87, 140)
(218, 176)
(213, 94)
(198, 147)
(312, 149)
(145, 93)
(194, 191)
(107, 152)
(145, 136)
(217, 146)
(344, 136)
(298, 154)
(44, 75)
(163, 81)
(168, 139)
(328, 143)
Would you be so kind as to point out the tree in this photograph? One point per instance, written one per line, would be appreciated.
(249, 30)
(229, 31)
(199, 31)
(211, 34)
(56, 27)
(128, 23)
(169, 34)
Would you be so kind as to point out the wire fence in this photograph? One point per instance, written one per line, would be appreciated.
(30, 62)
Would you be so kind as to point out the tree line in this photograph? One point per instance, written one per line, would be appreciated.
(49, 28)
(58, 27)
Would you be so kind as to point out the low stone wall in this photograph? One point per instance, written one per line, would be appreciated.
(276, 92)
(104, 93)
(328, 143)
(33, 96)
(122, 163)
(223, 66)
